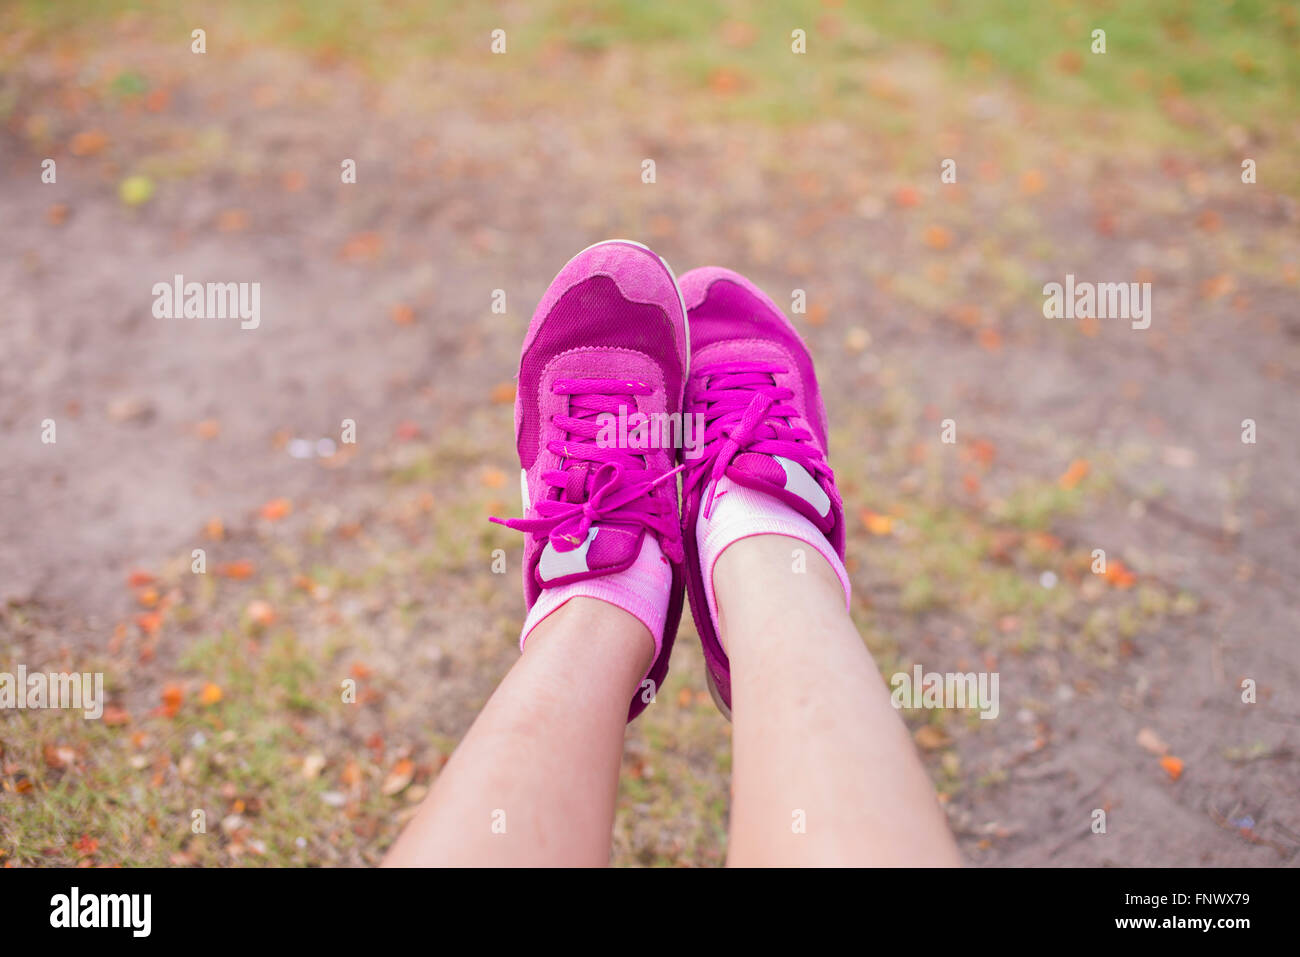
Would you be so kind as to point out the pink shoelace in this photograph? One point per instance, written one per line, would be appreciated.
(746, 411)
(617, 490)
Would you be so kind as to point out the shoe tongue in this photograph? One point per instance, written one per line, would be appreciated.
(610, 547)
(785, 478)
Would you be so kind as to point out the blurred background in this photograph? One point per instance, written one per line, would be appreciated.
(477, 171)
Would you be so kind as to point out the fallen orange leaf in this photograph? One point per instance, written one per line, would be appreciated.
(149, 623)
(1209, 221)
(210, 694)
(1173, 766)
(260, 612)
(363, 247)
(938, 237)
(876, 523)
(59, 756)
(137, 579)
(1118, 574)
(503, 393)
(172, 695)
(351, 774)
(494, 478)
(1046, 541)
(237, 570)
(88, 143)
(907, 196)
(1074, 474)
(726, 81)
(1217, 287)
(276, 509)
(984, 451)
(930, 738)
(402, 315)
(398, 778)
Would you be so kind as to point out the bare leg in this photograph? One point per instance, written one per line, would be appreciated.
(535, 779)
(824, 770)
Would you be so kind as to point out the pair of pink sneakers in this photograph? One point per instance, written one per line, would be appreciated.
(616, 335)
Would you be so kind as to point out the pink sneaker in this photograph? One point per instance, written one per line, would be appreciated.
(608, 338)
(764, 444)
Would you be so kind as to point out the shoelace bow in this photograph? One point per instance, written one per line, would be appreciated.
(746, 411)
(619, 489)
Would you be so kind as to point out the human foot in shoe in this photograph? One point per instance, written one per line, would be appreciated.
(764, 468)
(601, 518)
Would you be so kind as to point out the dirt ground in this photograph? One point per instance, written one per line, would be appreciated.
(924, 305)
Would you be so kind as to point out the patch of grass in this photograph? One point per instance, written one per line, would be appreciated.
(1171, 70)
(216, 783)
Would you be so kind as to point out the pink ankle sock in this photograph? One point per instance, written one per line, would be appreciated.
(641, 590)
(739, 512)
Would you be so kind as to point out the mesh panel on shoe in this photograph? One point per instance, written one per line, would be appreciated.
(594, 313)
